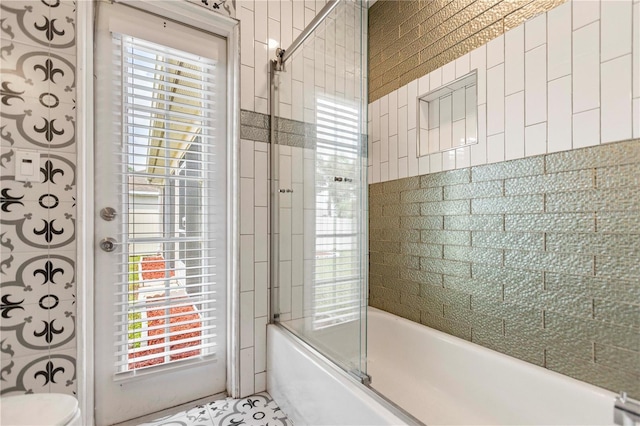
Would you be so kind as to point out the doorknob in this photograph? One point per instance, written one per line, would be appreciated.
(108, 244)
(108, 213)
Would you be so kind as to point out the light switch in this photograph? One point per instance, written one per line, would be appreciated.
(27, 166)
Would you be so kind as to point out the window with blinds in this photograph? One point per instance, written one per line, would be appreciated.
(172, 197)
(337, 277)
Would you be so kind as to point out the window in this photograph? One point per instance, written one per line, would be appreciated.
(172, 189)
(337, 277)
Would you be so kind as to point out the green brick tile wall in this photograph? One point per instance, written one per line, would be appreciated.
(537, 258)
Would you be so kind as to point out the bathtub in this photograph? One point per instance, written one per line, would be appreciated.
(437, 378)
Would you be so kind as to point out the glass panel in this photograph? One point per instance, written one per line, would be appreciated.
(167, 290)
(319, 162)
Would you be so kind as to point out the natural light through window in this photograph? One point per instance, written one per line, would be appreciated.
(167, 291)
(337, 275)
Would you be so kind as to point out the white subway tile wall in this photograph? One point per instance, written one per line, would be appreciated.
(566, 79)
(266, 25)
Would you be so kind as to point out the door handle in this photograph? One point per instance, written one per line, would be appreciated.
(108, 244)
(108, 213)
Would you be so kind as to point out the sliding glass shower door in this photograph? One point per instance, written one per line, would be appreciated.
(319, 186)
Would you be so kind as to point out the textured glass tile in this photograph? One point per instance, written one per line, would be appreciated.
(476, 320)
(384, 222)
(384, 293)
(620, 199)
(543, 261)
(446, 296)
(421, 195)
(550, 222)
(474, 223)
(254, 134)
(400, 309)
(254, 119)
(591, 372)
(579, 303)
(473, 190)
(514, 204)
(422, 250)
(595, 243)
(515, 346)
(513, 314)
(452, 177)
(617, 312)
(375, 189)
(606, 155)
(409, 235)
(401, 210)
(400, 185)
(384, 199)
(595, 287)
(626, 267)
(384, 246)
(616, 358)
(611, 177)
(473, 254)
(474, 287)
(421, 222)
(445, 208)
(509, 169)
(384, 270)
(376, 211)
(420, 302)
(404, 286)
(506, 277)
(401, 260)
(426, 277)
(620, 222)
(446, 267)
(508, 240)
(432, 236)
(445, 325)
(556, 182)
(567, 327)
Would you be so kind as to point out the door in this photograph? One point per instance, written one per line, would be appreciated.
(161, 225)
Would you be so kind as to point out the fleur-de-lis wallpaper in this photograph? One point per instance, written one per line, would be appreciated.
(38, 219)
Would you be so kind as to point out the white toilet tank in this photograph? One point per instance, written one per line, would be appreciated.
(51, 409)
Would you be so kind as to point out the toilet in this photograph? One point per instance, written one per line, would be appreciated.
(51, 409)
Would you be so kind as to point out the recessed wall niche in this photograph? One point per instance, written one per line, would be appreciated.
(448, 116)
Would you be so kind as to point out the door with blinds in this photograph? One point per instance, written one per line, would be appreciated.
(161, 221)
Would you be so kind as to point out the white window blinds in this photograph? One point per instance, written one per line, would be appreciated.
(169, 286)
(337, 277)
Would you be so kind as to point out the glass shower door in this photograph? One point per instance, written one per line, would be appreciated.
(319, 220)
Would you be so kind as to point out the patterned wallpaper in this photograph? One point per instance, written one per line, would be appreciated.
(37, 234)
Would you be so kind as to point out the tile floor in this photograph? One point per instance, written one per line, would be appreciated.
(256, 410)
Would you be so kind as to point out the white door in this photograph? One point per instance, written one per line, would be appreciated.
(160, 201)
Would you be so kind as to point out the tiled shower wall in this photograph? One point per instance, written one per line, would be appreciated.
(409, 39)
(536, 258)
(526, 242)
(264, 25)
(37, 234)
(569, 78)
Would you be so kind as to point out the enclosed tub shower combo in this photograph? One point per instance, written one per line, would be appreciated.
(367, 210)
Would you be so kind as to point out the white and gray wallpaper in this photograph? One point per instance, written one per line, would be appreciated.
(38, 219)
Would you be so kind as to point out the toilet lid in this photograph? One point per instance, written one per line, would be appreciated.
(37, 409)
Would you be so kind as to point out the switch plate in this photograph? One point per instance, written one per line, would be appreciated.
(27, 166)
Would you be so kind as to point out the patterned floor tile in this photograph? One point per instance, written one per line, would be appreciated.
(256, 410)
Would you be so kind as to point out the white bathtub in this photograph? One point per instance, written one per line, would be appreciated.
(438, 378)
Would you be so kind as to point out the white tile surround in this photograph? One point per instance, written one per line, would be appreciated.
(566, 79)
(264, 26)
